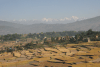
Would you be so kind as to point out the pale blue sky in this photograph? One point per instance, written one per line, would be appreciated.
(38, 9)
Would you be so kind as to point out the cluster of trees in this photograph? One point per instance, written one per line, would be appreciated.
(32, 46)
(88, 34)
(13, 37)
(83, 36)
(10, 37)
(53, 34)
(78, 35)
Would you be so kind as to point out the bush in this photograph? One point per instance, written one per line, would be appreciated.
(73, 46)
(2, 51)
(19, 48)
(77, 49)
(32, 46)
(83, 46)
(96, 45)
(85, 40)
(50, 45)
(85, 61)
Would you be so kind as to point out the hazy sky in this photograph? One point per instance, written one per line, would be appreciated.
(38, 9)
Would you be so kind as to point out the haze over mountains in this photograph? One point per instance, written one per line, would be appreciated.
(79, 25)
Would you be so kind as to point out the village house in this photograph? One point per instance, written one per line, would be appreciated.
(58, 38)
(63, 38)
(67, 37)
(41, 42)
(86, 39)
(17, 40)
(96, 36)
(49, 39)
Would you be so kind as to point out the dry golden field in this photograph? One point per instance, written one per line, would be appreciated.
(81, 55)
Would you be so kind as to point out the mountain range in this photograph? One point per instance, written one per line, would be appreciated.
(82, 25)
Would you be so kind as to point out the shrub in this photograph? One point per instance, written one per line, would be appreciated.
(77, 49)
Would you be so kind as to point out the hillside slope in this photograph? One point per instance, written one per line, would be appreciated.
(83, 25)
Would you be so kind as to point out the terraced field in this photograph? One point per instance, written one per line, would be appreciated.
(73, 55)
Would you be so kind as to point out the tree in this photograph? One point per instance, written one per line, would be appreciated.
(52, 39)
(72, 40)
(76, 37)
(81, 38)
(89, 32)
